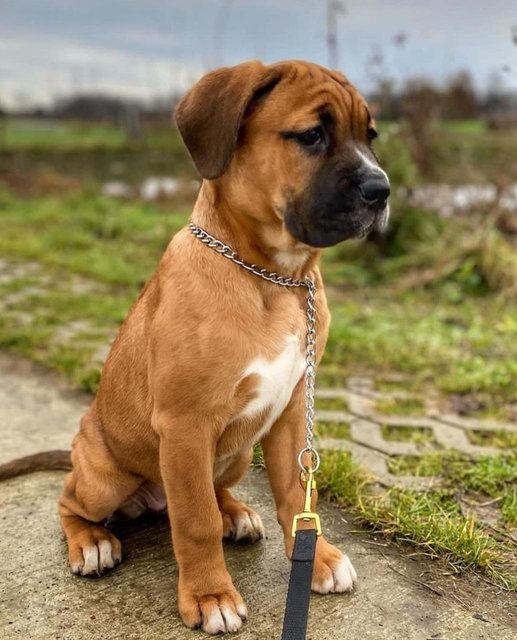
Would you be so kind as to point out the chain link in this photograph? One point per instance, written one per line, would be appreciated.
(310, 341)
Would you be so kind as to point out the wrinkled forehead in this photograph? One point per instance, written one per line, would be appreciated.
(308, 92)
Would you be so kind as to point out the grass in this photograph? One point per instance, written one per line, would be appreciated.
(411, 465)
(461, 348)
(431, 520)
(43, 134)
(107, 240)
(340, 430)
(489, 476)
(401, 406)
(331, 404)
(417, 435)
(53, 135)
(500, 439)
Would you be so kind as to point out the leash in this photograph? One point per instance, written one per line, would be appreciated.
(298, 592)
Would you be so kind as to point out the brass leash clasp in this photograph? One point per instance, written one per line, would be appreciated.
(307, 514)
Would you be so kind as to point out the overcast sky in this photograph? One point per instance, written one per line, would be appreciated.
(144, 48)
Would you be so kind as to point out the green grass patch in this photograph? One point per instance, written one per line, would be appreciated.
(458, 347)
(490, 476)
(401, 433)
(432, 520)
(331, 404)
(75, 136)
(46, 134)
(509, 507)
(411, 465)
(499, 438)
(400, 406)
(109, 240)
(340, 430)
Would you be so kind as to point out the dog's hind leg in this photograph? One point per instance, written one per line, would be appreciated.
(240, 523)
(93, 490)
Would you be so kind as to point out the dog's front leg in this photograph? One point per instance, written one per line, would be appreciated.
(333, 571)
(206, 595)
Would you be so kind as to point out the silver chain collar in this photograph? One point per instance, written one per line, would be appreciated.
(310, 341)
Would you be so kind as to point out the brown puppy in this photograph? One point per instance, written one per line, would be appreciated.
(210, 360)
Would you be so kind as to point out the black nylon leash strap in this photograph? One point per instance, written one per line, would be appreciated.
(299, 590)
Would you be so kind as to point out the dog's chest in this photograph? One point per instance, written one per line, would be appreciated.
(277, 379)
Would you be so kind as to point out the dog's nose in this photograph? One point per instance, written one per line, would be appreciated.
(374, 190)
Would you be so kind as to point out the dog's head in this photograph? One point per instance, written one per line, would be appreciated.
(292, 144)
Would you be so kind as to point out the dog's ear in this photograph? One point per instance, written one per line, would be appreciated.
(209, 116)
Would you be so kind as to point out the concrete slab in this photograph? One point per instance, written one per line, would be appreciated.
(397, 597)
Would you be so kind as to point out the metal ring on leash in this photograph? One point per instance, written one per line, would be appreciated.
(315, 460)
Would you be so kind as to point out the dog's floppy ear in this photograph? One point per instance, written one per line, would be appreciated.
(209, 116)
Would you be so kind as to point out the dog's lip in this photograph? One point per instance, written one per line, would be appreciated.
(362, 220)
(368, 229)
(376, 223)
(336, 221)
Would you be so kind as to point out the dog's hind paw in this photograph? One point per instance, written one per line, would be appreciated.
(240, 523)
(243, 526)
(95, 551)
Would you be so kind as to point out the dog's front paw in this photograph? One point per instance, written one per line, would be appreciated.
(216, 611)
(333, 571)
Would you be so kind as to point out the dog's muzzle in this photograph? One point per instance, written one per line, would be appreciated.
(341, 203)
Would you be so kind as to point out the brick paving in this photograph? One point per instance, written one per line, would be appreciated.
(368, 445)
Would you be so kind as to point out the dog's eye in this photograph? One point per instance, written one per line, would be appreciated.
(313, 140)
(311, 137)
(372, 134)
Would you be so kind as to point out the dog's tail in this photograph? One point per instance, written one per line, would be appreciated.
(47, 461)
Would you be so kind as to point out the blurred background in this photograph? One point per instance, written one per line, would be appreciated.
(94, 179)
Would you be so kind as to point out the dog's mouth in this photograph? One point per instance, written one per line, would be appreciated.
(338, 206)
(331, 229)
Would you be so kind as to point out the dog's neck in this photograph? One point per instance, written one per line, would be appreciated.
(266, 244)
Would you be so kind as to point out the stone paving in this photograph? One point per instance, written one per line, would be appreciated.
(368, 445)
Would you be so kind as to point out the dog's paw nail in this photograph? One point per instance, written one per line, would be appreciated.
(242, 610)
(232, 620)
(345, 576)
(337, 578)
(214, 623)
(222, 619)
(96, 558)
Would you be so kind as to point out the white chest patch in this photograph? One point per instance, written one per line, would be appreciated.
(292, 259)
(278, 379)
